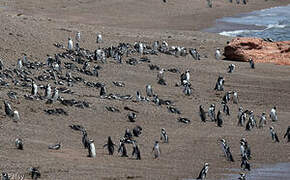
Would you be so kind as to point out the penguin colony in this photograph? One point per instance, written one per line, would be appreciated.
(74, 56)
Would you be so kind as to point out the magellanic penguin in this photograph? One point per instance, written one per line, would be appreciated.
(149, 90)
(245, 165)
(8, 109)
(287, 134)
(103, 91)
(78, 36)
(55, 95)
(122, 148)
(48, 91)
(226, 150)
(209, 3)
(273, 134)
(92, 149)
(273, 114)
(70, 44)
(19, 64)
(241, 117)
(85, 139)
(202, 113)
(34, 89)
(156, 150)
(55, 146)
(136, 151)
(242, 176)
(110, 145)
(164, 136)
(252, 64)
(203, 172)
(16, 116)
(263, 120)
(226, 108)
(246, 147)
(194, 54)
(219, 84)
(187, 90)
(235, 97)
(19, 144)
(219, 119)
(218, 54)
(34, 172)
(160, 74)
(99, 38)
(5, 176)
(132, 116)
(231, 68)
(211, 112)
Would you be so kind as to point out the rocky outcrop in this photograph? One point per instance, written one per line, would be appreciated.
(261, 51)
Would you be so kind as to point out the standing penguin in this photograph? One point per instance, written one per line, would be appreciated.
(19, 64)
(78, 36)
(70, 44)
(219, 119)
(203, 172)
(209, 3)
(187, 90)
(156, 150)
(85, 139)
(19, 144)
(149, 90)
(103, 91)
(273, 114)
(245, 164)
(164, 136)
(231, 68)
(226, 108)
(92, 149)
(252, 64)
(273, 134)
(48, 91)
(287, 134)
(136, 151)
(262, 121)
(110, 145)
(99, 38)
(5, 176)
(235, 97)
(242, 176)
(16, 116)
(202, 113)
(211, 112)
(8, 109)
(219, 84)
(218, 54)
(122, 149)
(55, 95)
(34, 89)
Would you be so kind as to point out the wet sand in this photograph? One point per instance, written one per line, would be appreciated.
(32, 27)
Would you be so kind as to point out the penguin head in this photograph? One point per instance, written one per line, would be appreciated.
(271, 127)
(206, 164)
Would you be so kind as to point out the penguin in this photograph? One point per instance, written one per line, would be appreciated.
(202, 113)
(138, 96)
(227, 97)
(226, 150)
(8, 110)
(16, 116)
(34, 172)
(263, 120)
(242, 176)
(187, 75)
(122, 149)
(155, 45)
(85, 140)
(70, 44)
(245, 164)
(128, 135)
(226, 108)
(136, 151)
(19, 64)
(218, 54)
(137, 131)
(252, 119)
(209, 3)
(224, 146)
(273, 114)
(19, 144)
(149, 90)
(91, 149)
(245, 2)
(110, 145)
(164, 136)
(103, 91)
(173, 110)
(211, 112)
(195, 55)
(252, 63)
(246, 148)
(160, 74)
(241, 117)
(219, 119)
(238, 1)
(287, 134)
(1, 65)
(141, 48)
(132, 116)
(219, 84)
(55, 146)
(48, 91)
(99, 38)
(242, 149)
(187, 90)
(34, 89)
(78, 36)
(5, 176)
(235, 97)
(273, 134)
(203, 172)
(156, 150)
(55, 95)
(231, 68)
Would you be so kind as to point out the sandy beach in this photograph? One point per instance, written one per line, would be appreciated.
(32, 27)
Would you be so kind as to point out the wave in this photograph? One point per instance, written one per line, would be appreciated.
(238, 32)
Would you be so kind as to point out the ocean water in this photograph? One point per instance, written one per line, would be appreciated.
(271, 23)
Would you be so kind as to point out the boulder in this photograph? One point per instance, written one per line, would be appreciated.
(261, 51)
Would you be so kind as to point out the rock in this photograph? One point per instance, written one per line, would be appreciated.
(261, 51)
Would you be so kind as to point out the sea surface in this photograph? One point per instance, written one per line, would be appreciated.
(271, 23)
